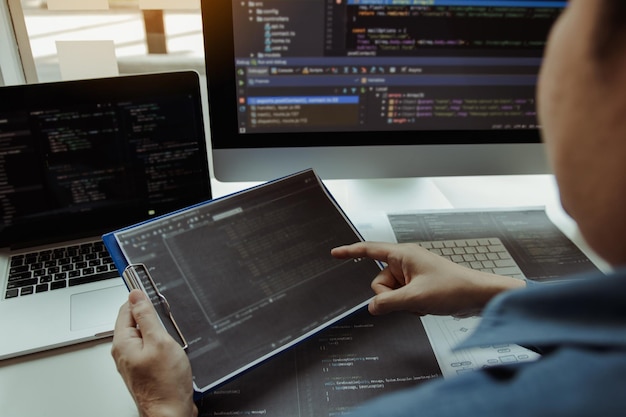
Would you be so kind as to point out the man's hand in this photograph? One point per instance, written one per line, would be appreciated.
(422, 282)
(154, 367)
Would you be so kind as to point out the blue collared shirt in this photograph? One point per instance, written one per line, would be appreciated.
(580, 328)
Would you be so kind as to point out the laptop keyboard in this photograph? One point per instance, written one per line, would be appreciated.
(487, 254)
(52, 269)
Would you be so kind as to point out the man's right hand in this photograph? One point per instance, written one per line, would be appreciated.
(422, 282)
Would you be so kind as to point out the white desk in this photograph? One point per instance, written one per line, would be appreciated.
(82, 380)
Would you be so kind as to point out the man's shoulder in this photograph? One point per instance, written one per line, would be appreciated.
(589, 311)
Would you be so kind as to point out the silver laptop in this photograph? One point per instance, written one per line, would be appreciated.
(79, 159)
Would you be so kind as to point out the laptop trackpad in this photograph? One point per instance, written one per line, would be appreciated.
(96, 308)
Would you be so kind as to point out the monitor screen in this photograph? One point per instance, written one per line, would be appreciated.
(84, 157)
(375, 88)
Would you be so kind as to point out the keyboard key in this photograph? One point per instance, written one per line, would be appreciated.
(18, 269)
(12, 293)
(17, 260)
(506, 271)
(93, 278)
(41, 287)
(26, 290)
(502, 263)
(55, 285)
(60, 276)
(20, 275)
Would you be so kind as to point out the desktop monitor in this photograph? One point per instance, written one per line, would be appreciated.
(374, 88)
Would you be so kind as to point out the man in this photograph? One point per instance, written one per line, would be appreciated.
(580, 327)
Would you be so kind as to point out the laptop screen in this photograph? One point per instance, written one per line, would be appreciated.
(85, 157)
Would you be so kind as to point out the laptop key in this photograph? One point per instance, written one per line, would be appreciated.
(17, 260)
(20, 275)
(41, 288)
(55, 285)
(93, 278)
(26, 290)
(12, 293)
(18, 269)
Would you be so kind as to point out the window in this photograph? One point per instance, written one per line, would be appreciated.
(72, 39)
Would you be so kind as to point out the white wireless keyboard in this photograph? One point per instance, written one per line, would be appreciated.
(487, 254)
